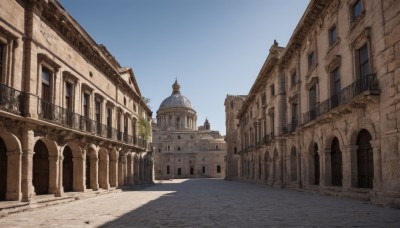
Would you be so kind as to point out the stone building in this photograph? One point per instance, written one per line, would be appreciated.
(68, 110)
(324, 112)
(233, 104)
(181, 149)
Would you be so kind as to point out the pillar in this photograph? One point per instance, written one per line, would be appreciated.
(78, 184)
(27, 165)
(94, 174)
(14, 175)
(53, 174)
(113, 171)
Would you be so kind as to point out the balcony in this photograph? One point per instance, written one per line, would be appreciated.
(346, 95)
(11, 100)
(66, 118)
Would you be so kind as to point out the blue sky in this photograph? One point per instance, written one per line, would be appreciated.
(213, 47)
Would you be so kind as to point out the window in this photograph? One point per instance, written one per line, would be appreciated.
(312, 99)
(2, 48)
(294, 114)
(335, 75)
(98, 111)
(179, 148)
(312, 61)
(204, 169)
(179, 171)
(356, 9)
(218, 169)
(191, 171)
(125, 127)
(46, 74)
(272, 88)
(272, 117)
(86, 98)
(179, 137)
(216, 147)
(124, 101)
(68, 96)
(167, 169)
(235, 150)
(109, 121)
(168, 148)
(363, 60)
(332, 35)
(293, 78)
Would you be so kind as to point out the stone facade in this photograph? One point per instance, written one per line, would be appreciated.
(324, 113)
(181, 149)
(68, 110)
(233, 104)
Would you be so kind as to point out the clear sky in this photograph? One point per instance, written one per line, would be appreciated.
(213, 47)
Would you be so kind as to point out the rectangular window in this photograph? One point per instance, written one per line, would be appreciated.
(98, 111)
(312, 98)
(1, 60)
(294, 114)
(311, 60)
(167, 169)
(293, 78)
(86, 100)
(218, 169)
(46, 74)
(179, 171)
(363, 60)
(68, 96)
(332, 35)
(336, 81)
(272, 124)
(204, 169)
(357, 9)
(109, 122)
(191, 171)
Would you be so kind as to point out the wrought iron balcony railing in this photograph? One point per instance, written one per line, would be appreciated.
(11, 100)
(369, 83)
(61, 116)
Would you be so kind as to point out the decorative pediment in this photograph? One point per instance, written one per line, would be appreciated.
(294, 99)
(43, 58)
(68, 76)
(335, 62)
(86, 88)
(311, 82)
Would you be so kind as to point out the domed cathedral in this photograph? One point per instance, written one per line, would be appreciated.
(183, 150)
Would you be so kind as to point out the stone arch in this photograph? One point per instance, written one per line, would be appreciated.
(103, 168)
(67, 169)
(314, 163)
(45, 167)
(363, 124)
(78, 166)
(10, 165)
(91, 167)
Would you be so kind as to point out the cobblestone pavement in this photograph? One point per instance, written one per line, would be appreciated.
(208, 203)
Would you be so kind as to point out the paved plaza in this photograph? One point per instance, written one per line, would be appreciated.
(208, 203)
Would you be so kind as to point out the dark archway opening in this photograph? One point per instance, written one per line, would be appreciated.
(68, 173)
(365, 161)
(3, 170)
(40, 178)
(316, 165)
(336, 163)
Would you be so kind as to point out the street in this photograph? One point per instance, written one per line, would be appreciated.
(208, 203)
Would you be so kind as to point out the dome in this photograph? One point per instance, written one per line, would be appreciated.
(176, 100)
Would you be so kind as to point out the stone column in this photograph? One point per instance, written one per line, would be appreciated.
(113, 172)
(53, 174)
(60, 187)
(14, 175)
(94, 174)
(120, 173)
(27, 165)
(349, 164)
(377, 156)
(326, 170)
(78, 184)
(103, 173)
(130, 171)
